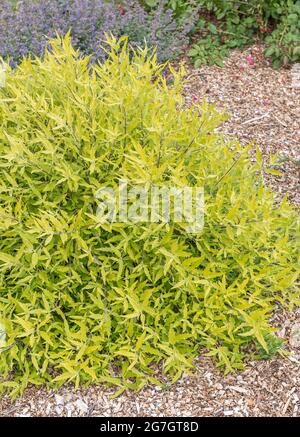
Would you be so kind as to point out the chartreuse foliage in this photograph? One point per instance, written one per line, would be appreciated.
(86, 301)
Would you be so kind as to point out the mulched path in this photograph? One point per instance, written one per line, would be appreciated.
(265, 108)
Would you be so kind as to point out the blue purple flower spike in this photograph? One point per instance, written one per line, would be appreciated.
(26, 27)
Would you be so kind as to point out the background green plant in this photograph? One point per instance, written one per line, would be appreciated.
(233, 23)
(84, 301)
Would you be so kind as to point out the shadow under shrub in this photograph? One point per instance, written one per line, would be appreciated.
(85, 301)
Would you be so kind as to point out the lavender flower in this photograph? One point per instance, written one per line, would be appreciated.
(27, 28)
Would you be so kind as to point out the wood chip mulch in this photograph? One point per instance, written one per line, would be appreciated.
(265, 107)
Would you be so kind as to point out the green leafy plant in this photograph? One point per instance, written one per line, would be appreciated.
(217, 40)
(86, 301)
(276, 22)
(283, 44)
(228, 24)
(208, 51)
(274, 345)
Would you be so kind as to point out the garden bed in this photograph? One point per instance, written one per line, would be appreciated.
(265, 109)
